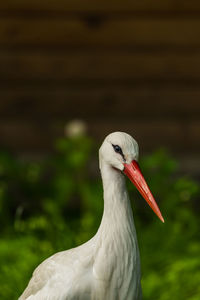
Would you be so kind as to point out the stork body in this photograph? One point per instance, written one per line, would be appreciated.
(107, 267)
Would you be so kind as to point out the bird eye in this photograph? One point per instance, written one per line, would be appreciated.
(117, 149)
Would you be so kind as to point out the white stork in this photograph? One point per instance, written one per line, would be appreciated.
(107, 267)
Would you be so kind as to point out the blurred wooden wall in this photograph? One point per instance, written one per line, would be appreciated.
(118, 65)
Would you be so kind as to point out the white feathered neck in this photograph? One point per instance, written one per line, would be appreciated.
(117, 255)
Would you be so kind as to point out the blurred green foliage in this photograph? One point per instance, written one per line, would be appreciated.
(57, 203)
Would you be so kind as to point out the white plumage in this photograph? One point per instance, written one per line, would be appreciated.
(107, 267)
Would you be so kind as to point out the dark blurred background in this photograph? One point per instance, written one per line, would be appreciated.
(117, 65)
(132, 66)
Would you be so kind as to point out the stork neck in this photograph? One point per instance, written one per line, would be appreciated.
(117, 259)
(117, 208)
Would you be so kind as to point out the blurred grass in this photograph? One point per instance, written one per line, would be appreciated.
(57, 204)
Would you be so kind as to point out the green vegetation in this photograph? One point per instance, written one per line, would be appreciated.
(56, 204)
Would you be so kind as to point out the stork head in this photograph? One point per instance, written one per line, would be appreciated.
(121, 152)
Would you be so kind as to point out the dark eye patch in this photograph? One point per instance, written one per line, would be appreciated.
(118, 149)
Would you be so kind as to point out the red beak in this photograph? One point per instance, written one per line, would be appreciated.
(134, 173)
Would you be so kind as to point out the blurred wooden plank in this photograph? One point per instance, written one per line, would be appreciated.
(109, 33)
(23, 137)
(189, 164)
(104, 101)
(194, 129)
(28, 136)
(100, 5)
(153, 134)
(97, 66)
